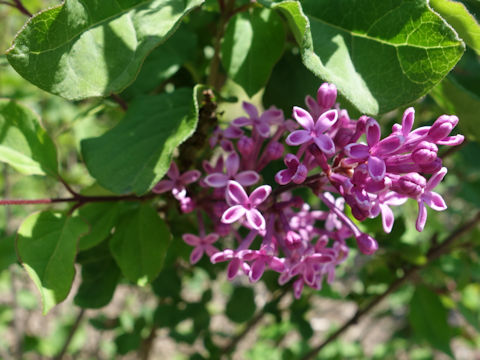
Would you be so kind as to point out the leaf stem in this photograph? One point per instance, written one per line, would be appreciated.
(17, 4)
(82, 199)
(123, 104)
(434, 253)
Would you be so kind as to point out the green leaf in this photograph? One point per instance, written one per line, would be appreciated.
(163, 62)
(101, 218)
(253, 43)
(100, 275)
(380, 54)
(457, 15)
(92, 48)
(140, 243)
(24, 144)
(428, 318)
(46, 245)
(241, 305)
(136, 154)
(8, 255)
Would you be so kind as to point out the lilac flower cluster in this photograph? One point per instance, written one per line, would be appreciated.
(327, 156)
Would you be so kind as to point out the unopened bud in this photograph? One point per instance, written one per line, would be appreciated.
(367, 244)
(327, 95)
(442, 127)
(424, 153)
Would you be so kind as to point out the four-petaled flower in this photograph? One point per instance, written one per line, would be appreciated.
(261, 123)
(376, 150)
(242, 204)
(201, 245)
(314, 131)
(431, 198)
(295, 171)
(245, 178)
(177, 182)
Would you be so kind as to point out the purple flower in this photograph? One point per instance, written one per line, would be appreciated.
(260, 123)
(235, 264)
(326, 96)
(245, 205)
(295, 171)
(382, 205)
(177, 182)
(261, 258)
(245, 178)
(313, 131)
(376, 150)
(431, 198)
(202, 245)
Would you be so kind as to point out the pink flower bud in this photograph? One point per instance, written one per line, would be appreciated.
(187, 205)
(327, 95)
(424, 153)
(411, 184)
(432, 167)
(245, 145)
(442, 127)
(275, 150)
(367, 244)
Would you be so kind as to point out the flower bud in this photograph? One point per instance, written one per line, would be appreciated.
(442, 127)
(245, 145)
(327, 95)
(275, 150)
(187, 205)
(367, 244)
(293, 240)
(424, 153)
(411, 184)
(432, 167)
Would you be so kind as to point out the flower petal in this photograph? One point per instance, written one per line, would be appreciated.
(422, 216)
(179, 192)
(376, 168)
(173, 172)
(263, 129)
(190, 176)
(372, 131)
(297, 288)
(283, 177)
(298, 137)
(250, 109)
(247, 178)
(357, 151)
(451, 140)
(435, 179)
(232, 214)
(233, 132)
(191, 239)
(257, 270)
(196, 255)
(388, 145)
(325, 143)
(222, 256)
(272, 116)
(163, 186)
(236, 193)
(232, 164)
(242, 121)
(210, 250)
(217, 180)
(259, 195)
(407, 121)
(255, 219)
(276, 264)
(210, 238)
(434, 200)
(233, 267)
(387, 218)
(326, 121)
(303, 117)
(300, 175)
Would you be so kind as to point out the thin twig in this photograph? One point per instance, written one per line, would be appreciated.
(433, 254)
(254, 321)
(78, 198)
(123, 104)
(22, 8)
(72, 332)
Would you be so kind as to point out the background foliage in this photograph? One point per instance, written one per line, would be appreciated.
(126, 74)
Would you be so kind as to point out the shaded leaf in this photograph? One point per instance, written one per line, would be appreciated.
(7, 252)
(139, 244)
(163, 62)
(428, 318)
(92, 48)
(46, 245)
(380, 54)
(24, 144)
(136, 154)
(100, 275)
(101, 218)
(252, 44)
(241, 305)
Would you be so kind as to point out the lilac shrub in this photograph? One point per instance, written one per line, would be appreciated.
(327, 155)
